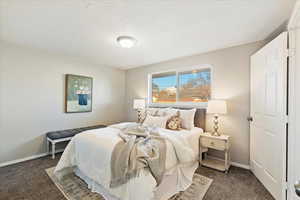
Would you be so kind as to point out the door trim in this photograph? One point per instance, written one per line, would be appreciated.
(292, 118)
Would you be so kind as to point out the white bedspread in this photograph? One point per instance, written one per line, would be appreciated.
(90, 152)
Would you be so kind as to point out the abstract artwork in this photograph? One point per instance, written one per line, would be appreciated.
(78, 93)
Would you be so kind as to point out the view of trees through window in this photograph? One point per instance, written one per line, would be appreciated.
(164, 87)
(191, 86)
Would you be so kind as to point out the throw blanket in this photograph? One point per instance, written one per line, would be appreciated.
(135, 152)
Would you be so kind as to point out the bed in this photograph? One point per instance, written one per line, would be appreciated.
(88, 155)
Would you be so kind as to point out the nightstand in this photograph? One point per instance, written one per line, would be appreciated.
(220, 143)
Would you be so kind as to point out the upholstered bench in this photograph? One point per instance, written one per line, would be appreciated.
(65, 135)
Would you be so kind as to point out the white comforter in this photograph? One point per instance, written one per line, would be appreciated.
(90, 153)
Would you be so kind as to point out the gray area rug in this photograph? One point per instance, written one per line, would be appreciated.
(74, 188)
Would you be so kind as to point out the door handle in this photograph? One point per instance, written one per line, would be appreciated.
(297, 188)
(250, 119)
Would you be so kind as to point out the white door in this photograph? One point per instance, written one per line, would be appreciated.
(268, 110)
(294, 103)
(294, 113)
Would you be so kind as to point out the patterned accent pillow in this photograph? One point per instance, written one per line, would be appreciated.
(155, 121)
(147, 111)
(174, 123)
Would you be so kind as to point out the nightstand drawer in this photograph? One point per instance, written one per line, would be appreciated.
(213, 143)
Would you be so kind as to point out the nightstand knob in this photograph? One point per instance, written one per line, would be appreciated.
(212, 143)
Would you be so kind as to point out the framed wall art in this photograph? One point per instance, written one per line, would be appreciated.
(79, 93)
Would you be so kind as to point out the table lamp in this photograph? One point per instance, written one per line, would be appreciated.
(216, 107)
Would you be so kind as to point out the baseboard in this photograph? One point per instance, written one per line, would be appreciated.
(240, 165)
(233, 163)
(61, 150)
(28, 158)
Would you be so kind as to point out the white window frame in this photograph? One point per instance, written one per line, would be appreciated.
(178, 103)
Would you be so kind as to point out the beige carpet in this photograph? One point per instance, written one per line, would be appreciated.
(74, 188)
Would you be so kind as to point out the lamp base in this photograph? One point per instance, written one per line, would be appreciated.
(215, 134)
(139, 111)
(216, 126)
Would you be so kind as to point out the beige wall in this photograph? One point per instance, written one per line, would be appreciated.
(32, 95)
(231, 81)
(32, 98)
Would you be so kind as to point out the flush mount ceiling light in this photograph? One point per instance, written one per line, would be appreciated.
(126, 41)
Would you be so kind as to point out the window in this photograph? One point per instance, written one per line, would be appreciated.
(192, 86)
(164, 87)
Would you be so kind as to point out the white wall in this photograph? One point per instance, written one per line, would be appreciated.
(32, 86)
(231, 81)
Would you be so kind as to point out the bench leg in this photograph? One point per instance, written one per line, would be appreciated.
(53, 150)
(48, 147)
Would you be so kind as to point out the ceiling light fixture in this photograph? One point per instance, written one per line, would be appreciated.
(126, 41)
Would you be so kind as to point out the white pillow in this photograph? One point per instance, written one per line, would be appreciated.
(167, 111)
(148, 111)
(152, 111)
(156, 121)
(162, 111)
(187, 117)
(172, 111)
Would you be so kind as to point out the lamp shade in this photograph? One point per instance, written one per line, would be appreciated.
(139, 103)
(217, 107)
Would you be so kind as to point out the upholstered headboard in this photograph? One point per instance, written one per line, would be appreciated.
(200, 116)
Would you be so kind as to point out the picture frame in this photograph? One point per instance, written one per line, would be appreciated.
(78, 93)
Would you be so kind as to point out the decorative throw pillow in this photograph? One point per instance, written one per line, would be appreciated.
(174, 123)
(187, 117)
(156, 121)
(147, 111)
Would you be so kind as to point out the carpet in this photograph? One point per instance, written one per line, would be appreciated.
(74, 188)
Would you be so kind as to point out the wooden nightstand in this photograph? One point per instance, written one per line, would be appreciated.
(220, 143)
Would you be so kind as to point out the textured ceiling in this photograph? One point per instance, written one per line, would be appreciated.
(165, 29)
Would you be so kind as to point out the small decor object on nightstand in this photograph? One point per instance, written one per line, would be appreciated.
(216, 107)
(220, 143)
(139, 104)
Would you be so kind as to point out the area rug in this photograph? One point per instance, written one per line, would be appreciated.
(73, 188)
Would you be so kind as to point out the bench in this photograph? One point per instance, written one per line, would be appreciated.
(54, 137)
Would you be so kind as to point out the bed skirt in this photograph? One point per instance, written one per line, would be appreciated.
(175, 180)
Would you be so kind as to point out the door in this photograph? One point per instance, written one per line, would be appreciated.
(294, 113)
(268, 111)
(294, 105)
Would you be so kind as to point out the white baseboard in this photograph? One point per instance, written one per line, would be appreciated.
(23, 159)
(28, 158)
(61, 150)
(240, 165)
(236, 164)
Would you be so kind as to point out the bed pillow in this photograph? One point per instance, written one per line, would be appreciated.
(162, 111)
(187, 117)
(167, 111)
(174, 123)
(152, 111)
(156, 121)
(148, 111)
(172, 112)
